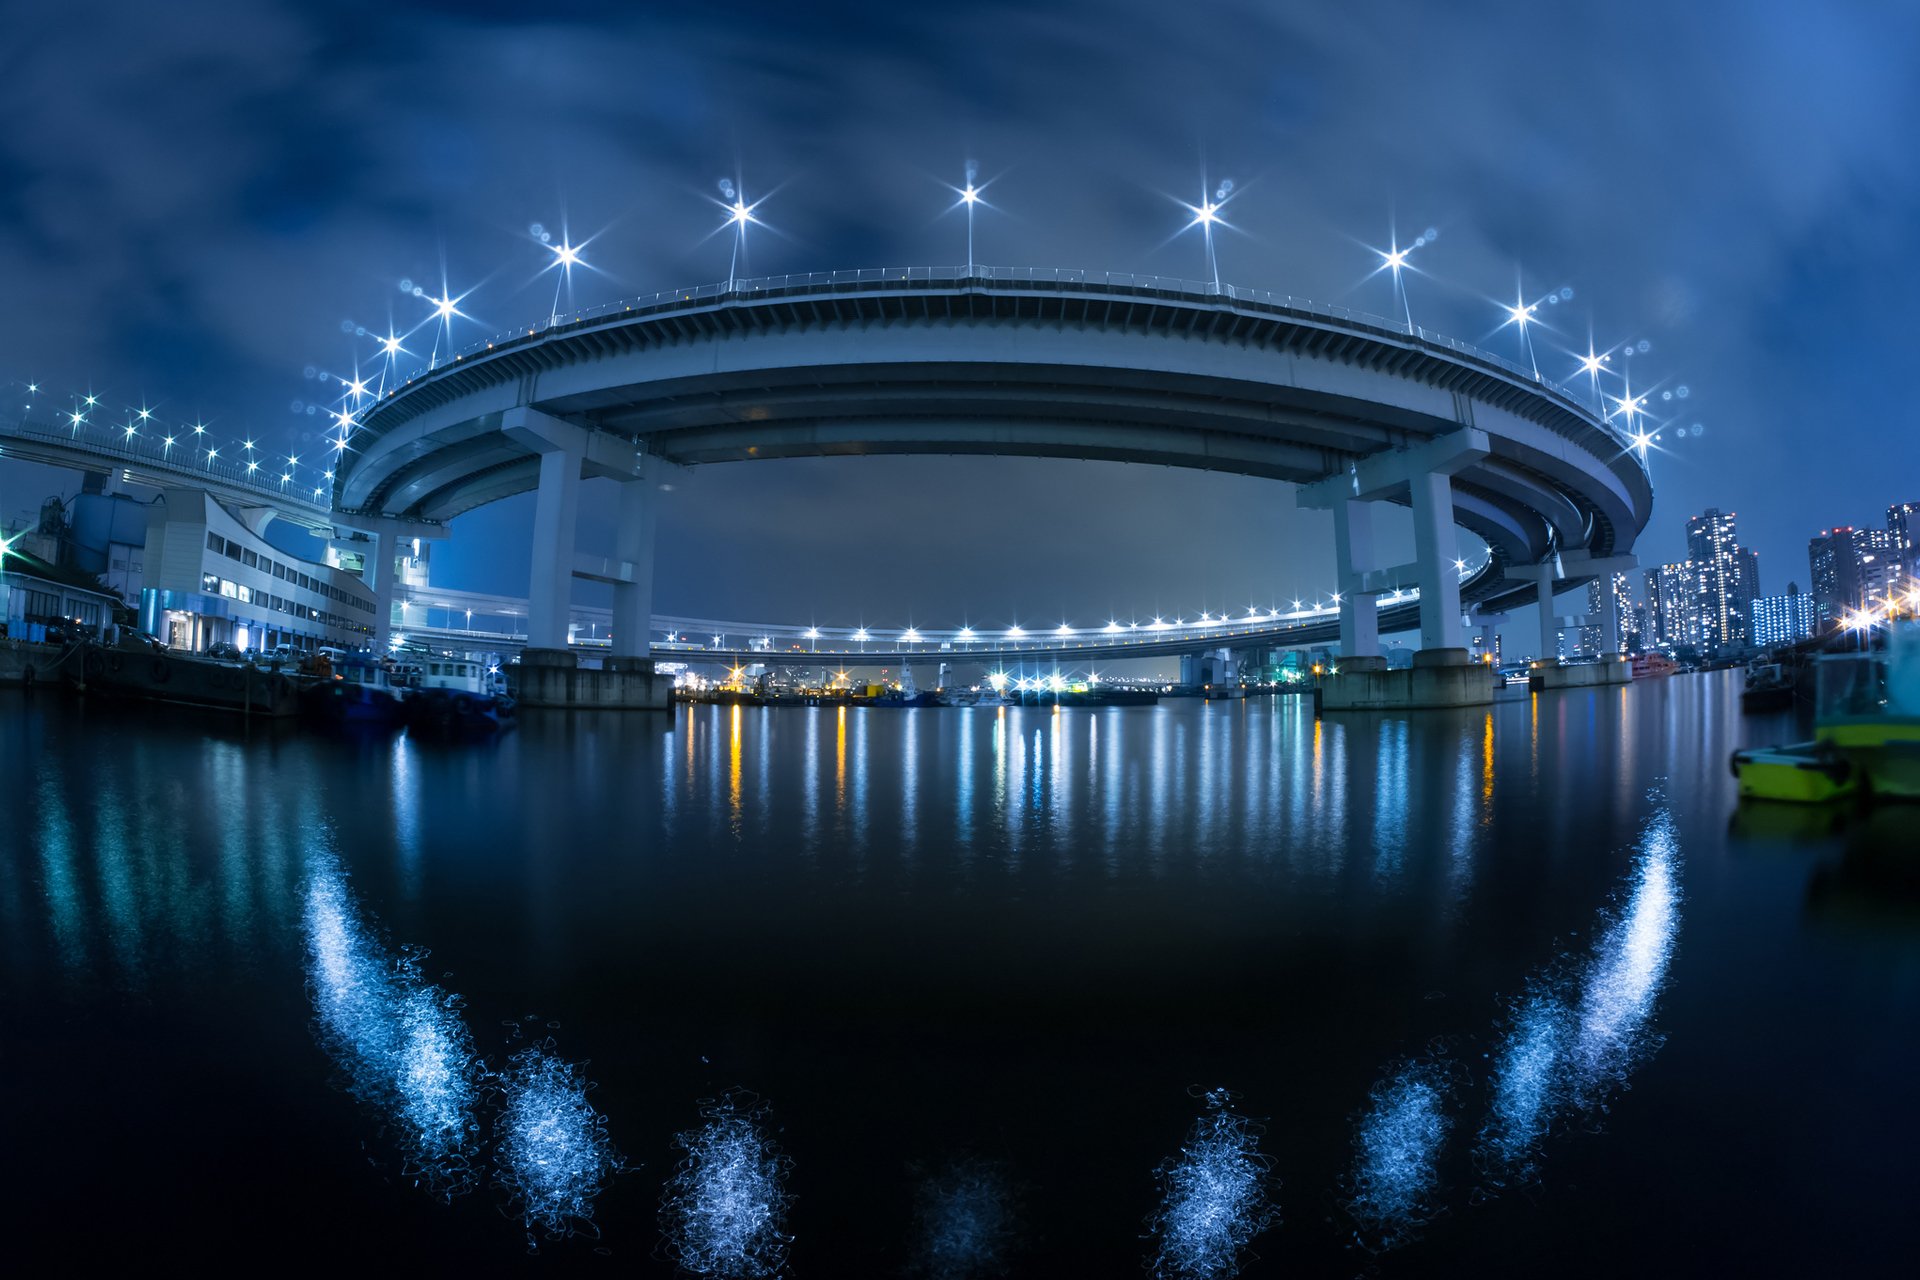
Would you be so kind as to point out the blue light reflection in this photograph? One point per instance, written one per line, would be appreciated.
(554, 1153)
(726, 1205)
(1397, 1150)
(1574, 1037)
(398, 1039)
(1214, 1197)
(966, 1221)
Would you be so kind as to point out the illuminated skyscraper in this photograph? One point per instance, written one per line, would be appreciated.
(1672, 601)
(1593, 635)
(1903, 524)
(1851, 568)
(1783, 619)
(1726, 579)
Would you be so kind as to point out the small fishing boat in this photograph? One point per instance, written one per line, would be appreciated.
(1769, 688)
(355, 691)
(1804, 773)
(456, 696)
(1866, 731)
(146, 670)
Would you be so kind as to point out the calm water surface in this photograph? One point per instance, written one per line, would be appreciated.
(955, 992)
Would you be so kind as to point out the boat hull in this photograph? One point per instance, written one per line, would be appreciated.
(187, 681)
(1806, 773)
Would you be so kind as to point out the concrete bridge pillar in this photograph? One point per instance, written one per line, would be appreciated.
(633, 547)
(555, 513)
(379, 572)
(1440, 623)
(1353, 554)
(1549, 624)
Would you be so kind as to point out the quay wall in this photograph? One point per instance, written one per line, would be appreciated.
(555, 678)
(1437, 678)
(24, 663)
(1584, 675)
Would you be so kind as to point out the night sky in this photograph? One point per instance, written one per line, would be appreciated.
(195, 197)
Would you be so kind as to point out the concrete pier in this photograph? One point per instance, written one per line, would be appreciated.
(1446, 677)
(1544, 677)
(555, 678)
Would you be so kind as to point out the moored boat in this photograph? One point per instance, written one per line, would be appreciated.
(1769, 688)
(1804, 773)
(355, 691)
(158, 674)
(453, 697)
(1866, 731)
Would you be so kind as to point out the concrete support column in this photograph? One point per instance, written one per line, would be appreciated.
(556, 510)
(633, 547)
(1353, 555)
(1610, 612)
(1440, 626)
(1549, 632)
(378, 572)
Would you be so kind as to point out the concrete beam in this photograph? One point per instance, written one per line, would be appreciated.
(1387, 474)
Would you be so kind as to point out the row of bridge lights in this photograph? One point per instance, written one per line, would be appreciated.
(1208, 214)
(1015, 633)
(258, 468)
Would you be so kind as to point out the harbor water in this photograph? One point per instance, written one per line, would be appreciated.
(1186, 989)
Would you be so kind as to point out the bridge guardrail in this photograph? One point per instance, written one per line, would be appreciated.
(1172, 288)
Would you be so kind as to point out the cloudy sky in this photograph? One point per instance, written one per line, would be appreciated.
(200, 202)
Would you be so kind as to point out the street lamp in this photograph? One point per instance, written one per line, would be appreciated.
(1520, 314)
(1394, 259)
(1205, 214)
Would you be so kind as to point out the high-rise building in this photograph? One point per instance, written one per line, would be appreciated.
(1613, 593)
(1672, 600)
(1784, 619)
(1903, 523)
(1726, 577)
(1836, 574)
(1881, 569)
(1851, 569)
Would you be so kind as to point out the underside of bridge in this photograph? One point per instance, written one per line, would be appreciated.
(1352, 412)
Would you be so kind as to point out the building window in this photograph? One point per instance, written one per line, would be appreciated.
(216, 543)
(227, 589)
(243, 594)
(279, 570)
(210, 584)
(252, 561)
(233, 551)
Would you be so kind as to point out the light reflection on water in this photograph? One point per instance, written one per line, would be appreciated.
(398, 1039)
(725, 1208)
(1567, 1043)
(1575, 1035)
(1355, 813)
(1214, 1197)
(1397, 1150)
